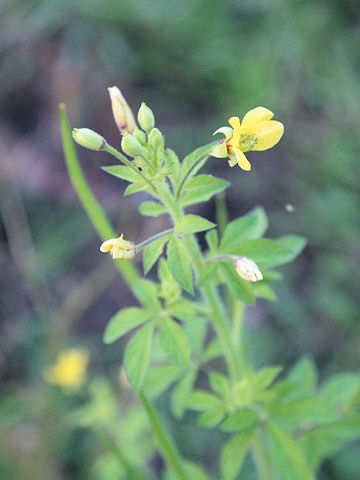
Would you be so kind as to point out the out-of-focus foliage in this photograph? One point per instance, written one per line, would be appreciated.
(195, 63)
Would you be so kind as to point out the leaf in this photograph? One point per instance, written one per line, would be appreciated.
(233, 454)
(179, 261)
(137, 356)
(123, 172)
(248, 227)
(134, 188)
(213, 350)
(211, 238)
(266, 376)
(262, 290)
(182, 310)
(170, 289)
(124, 321)
(152, 209)
(147, 293)
(295, 243)
(202, 400)
(173, 165)
(340, 388)
(190, 159)
(201, 188)
(174, 342)
(196, 331)
(263, 251)
(304, 374)
(211, 418)
(160, 378)
(193, 224)
(287, 455)
(219, 383)
(241, 420)
(239, 288)
(153, 251)
(207, 274)
(180, 394)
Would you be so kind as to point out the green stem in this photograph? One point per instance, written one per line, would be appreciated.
(143, 244)
(165, 444)
(261, 457)
(237, 324)
(88, 200)
(110, 446)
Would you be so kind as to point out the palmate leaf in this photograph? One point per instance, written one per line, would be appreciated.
(211, 418)
(193, 224)
(124, 321)
(179, 261)
(152, 209)
(174, 342)
(147, 293)
(153, 251)
(241, 420)
(202, 400)
(137, 356)
(160, 378)
(201, 188)
(233, 454)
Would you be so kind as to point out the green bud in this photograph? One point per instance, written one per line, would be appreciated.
(88, 139)
(146, 118)
(156, 138)
(140, 136)
(130, 145)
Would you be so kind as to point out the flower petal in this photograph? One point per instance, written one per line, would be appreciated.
(242, 161)
(107, 246)
(268, 135)
(235, 123)
(253, 117)
(220, 150)
(227, 131)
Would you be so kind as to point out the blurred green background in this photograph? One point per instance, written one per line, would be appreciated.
(195, 63)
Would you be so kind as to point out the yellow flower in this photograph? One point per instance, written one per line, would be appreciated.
(123, 115)
(256, 132)
(69, 368)
(119, 248)
(247, 269)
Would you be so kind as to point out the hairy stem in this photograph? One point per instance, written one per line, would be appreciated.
(143, 244)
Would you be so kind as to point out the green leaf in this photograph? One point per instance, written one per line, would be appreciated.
(196, 331)
(207, 274)
(262, 290)
(123, 172)
(304, 374)
(160, 378)
(193, 224)
(153, 251)
(248, 227)
(134, 188)
(152, 209)
(340, 388)
(170, 289)
(241, 420)
(190, 159)
(213, 350)
(172, 165)
(266, 376)
(219, 383)
(201, 188)
(182, 310)
(239, 288)
(287, 456)
(295, 243)
(174, 342)
(179, 261)
(202, 400)
(147, 293)
(180, 394)
(137, 356)
(263, 251)
(233, 454)
(211, 418)
(211, 238)
(124, 321)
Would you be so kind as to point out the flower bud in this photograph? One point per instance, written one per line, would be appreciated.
(140, 136)
(88, 139)
(123, 115)
(146, 118)
(119, 248)
(247, 269)
(156, 138)
(130, 145)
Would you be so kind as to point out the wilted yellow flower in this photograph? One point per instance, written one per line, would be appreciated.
(119, 248)
(69, 369)
(247, 269)
(256, 132)
(123, 115)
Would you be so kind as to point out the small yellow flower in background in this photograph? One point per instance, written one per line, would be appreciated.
(256, 132)
(123, 115)
(247, 269)
(69, 369)
(119, 248)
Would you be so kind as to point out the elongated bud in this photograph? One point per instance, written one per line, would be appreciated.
(146, 118)
(140, 136)
(89, 139)
(247, 269)
(156, 138)
(119, 248)
(123, 115)
(130, 145)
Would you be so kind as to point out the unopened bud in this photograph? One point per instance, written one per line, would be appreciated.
(130, 145)
(156, 138)
(88, 139)
(123, 115)
(146, 118)
(247, 269)
(140, 136)
(119, 248)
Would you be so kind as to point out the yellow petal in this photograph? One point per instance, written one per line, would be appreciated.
(220, 150)
(268, 135)
(243, 162)
(253, 117)
(235, 123)
(107, 246)
(227, 131)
